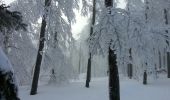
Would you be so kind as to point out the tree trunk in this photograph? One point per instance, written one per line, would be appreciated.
(40, 51)
(164, 58)
(130, 69)
(160, 63)
(79, 69)
(146, 10)
(168, 53)
(145, 78)
(114, 92)
(168, 64)
(88, 78)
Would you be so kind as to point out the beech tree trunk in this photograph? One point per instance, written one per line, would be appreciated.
(145, 77)
(88, 77)
(160, 62)
(79, 69)
(114, 92)
(130, 66)
(168, 53)
(130, 71)
(168, 63)
(40, 51)
(114, 89)
(146, 10)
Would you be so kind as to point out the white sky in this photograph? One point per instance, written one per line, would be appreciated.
(7, 1)
(122, 4)
(81, 21)
(79, 25)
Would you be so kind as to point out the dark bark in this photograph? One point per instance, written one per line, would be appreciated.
(166, 16)
(168, 53)
(146, 21)
(145, 78)
(130, 66)
(114, 89)
(39, 59)
(8, 88)
(130, 71)
(40, 51)
(79, 69)
(168, 64)
(88, 78)
(109, 3)
(114, 92)
(160, 63)
(164, 58)
(146, 10)
(11, 20)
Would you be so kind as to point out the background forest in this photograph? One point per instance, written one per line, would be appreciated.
(79, 35)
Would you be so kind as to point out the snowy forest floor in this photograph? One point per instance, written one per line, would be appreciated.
(129, 90)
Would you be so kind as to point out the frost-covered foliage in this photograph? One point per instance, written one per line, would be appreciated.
(12, 22)
(55, 60)
(22, 57)
(140, 27)
(147, 35)
(99, 63)
(109, 31)
(81, 54)
(58, 38)
(8, 84)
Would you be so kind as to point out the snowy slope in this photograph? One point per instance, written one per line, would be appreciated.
(130, 90)
(5, 64)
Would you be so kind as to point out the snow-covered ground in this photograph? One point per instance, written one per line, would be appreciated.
(129, 89)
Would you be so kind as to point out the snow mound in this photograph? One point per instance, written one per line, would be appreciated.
(5, 64)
